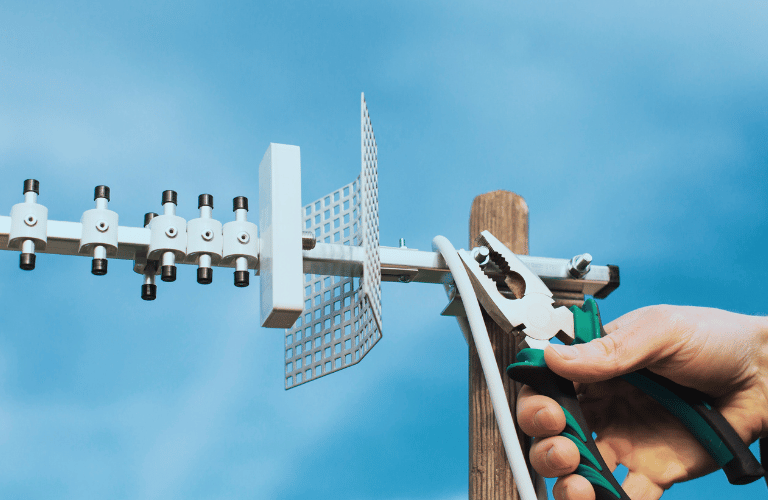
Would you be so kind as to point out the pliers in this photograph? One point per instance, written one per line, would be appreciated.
(531, 308)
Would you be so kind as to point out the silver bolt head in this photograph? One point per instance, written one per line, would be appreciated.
(308, 240)
(582, 261)
(579, 265)
(481, 255)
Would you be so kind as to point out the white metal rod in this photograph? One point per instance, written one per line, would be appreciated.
(332, 259)
(28, 246)
(204, 260)
(99, 252)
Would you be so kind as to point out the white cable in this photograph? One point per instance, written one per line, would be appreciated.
(501, 407)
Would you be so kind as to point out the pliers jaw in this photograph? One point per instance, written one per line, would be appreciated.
(533, 311)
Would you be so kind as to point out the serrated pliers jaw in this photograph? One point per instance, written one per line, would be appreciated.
(534, 311)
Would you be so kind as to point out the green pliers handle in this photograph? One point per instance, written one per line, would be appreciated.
(689, 406)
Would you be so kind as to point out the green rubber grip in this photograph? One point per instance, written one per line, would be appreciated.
(707, 425)
(546, 382)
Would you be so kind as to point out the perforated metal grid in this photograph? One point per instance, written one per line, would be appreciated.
(370, 215)
(341, 319)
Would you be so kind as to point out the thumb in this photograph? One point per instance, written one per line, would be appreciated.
(624, 350)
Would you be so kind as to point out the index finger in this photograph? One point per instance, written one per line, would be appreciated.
(627, 319)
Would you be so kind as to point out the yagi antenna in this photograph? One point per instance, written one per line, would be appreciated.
(321, 265)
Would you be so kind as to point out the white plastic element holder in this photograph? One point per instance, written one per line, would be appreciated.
(100, 227)
(204, 239)
(29, 224)
(342, 317)
(241, 242)
(168, 236)
(280, 221)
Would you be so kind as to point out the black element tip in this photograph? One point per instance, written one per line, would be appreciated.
(168, 273)
(204, 275)
(205, 200)
(27, 261)
(169, 197)
(101, 192)
(148, 217)
(99, 267)
(241, 279)
(149, 292)
(241, 202)
(31, 185)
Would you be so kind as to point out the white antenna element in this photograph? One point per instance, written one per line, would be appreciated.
(342, 314)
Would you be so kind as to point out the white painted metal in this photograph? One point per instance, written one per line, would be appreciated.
(29, 221)
(341, 319)
(204, 238)
(329, 258)
(369, 194)
(241, 242)
(326, 337)
(168, 236)
(99, 228)
(280, 220)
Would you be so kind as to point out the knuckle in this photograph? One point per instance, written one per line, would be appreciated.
(611, 352)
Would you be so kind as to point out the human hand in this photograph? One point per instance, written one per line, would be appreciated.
(720, 353)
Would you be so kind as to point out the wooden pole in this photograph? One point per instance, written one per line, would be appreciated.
(505, 215)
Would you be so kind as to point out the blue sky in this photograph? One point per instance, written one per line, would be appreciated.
(636, 132)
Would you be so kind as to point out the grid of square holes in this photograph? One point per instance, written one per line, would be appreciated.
(341, 320)
(370, 215)
(335, 329)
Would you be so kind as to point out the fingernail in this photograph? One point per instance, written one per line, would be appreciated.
(544, 420)
(565, 352)
(555, 461)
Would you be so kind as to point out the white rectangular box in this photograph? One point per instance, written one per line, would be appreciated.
(281, 266)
